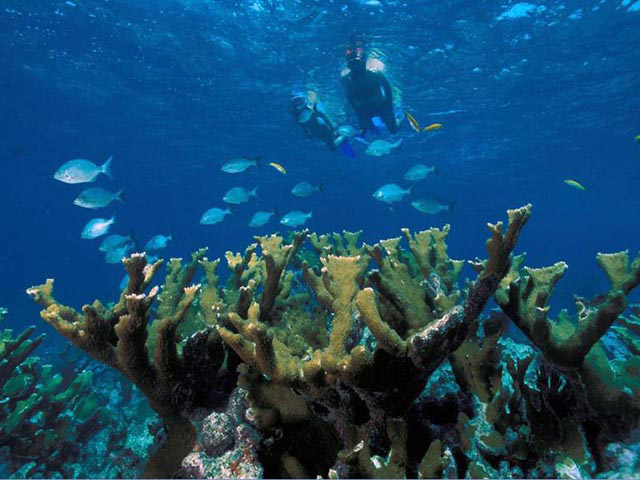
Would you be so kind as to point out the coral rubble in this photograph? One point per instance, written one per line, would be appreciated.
(320, 356)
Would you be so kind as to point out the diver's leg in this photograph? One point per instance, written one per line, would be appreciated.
(389, 118)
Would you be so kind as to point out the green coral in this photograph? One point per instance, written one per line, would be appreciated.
(338, 341)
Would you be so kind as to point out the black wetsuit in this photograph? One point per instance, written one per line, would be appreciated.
(369, 94)
(317, 125)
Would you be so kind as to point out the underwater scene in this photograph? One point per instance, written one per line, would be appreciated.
(320, 239)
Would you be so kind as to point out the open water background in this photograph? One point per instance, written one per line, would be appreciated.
(529, 95)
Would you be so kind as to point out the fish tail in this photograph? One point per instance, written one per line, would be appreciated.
(410, 189)
(311, 214)
(320, 187)
(254, 192)
(257, 159)
(276, 212)
(120, 195)
(398, 143)
(132, 237)
(436, 169)
(106, 168)
(113, 219)
(450, 207)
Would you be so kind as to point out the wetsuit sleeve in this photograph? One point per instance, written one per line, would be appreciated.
(388, 114)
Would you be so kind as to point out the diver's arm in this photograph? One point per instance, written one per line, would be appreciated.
(388, 115)
(386, 90)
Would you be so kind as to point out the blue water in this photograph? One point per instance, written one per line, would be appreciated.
(528, 95)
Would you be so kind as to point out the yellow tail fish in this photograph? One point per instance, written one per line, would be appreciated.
(433, 127)
(279, 167)
(413, 122)
(574, 184)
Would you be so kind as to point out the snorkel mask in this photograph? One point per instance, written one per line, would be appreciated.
(356, 57)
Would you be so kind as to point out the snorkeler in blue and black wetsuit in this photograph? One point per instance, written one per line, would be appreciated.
(314, 122)
(368, 92)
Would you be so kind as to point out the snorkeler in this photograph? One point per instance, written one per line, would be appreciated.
(314, 122)
(368, 92)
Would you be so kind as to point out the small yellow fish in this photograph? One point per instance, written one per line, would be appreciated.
(575, 184)
(433, 127)
(279, 167)
(413, 122)
(638, 138)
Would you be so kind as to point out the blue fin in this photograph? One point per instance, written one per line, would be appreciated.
(347, 150)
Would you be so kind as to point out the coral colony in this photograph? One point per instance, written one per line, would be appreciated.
(321, 356)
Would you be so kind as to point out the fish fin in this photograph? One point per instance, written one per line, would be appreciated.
(257, 159)
(346, 149)
(132, 237)
(120, 195)
(106, 168)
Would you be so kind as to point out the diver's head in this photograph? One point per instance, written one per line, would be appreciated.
(356, 57)
(297, 104)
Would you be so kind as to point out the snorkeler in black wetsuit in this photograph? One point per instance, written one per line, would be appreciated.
(368, 92)
(314, 122)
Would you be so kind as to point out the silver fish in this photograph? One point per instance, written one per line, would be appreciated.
(391, 193)
(378, 148)
(158, 242)
(97, 227)
(295, 218)
(431, 205)
(113, 242)
(304, 189)
(116, 256)
(239, 195)
(240, 164)
(261, 218)
(82, 171)
(347, 131)
(418, 172)
(97, 197)
(214, 215)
